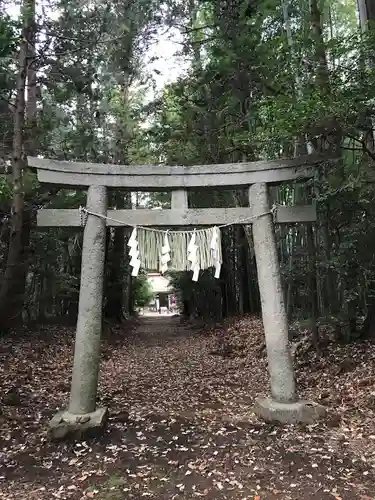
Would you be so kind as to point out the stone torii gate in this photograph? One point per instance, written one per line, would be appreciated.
(283, 404)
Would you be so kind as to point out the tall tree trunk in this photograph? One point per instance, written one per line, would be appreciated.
(319, 46)
(195, 47)
(366, 11)
(14, 279)
(31, 134)
(314, 311)
(31, 104)
(333, 145)
(366, 14)
(290, 280)
(117, 293)
(301, 146)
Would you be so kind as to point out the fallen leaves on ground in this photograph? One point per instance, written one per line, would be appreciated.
(181, 424)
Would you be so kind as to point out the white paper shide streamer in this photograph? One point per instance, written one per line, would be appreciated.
(135, 262)
(175, 250)
(165, 256)
(192, 252)
(215, 250)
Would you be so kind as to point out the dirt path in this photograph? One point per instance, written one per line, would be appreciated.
(171, 432)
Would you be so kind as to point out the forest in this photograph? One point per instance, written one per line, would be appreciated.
(257, 82)
(251, 80)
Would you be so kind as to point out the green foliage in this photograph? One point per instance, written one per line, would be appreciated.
(254, 89)
(142, 290)
(250, 93)
(7, 37)
(203, 297)
(5, 190)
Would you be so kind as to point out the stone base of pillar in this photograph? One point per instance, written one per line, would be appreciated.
(66, 425)
(301, 411)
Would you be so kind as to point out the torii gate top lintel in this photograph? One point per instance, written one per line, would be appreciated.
(160, 177)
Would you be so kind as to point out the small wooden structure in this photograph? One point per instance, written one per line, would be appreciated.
(161, 289)
(283, 405)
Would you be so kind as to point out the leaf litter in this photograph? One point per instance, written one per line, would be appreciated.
(181, 424)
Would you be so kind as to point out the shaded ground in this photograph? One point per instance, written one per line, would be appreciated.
(172, 433)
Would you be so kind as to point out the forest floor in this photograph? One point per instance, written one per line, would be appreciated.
(181, 425)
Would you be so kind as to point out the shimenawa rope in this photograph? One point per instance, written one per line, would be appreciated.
(148, 244)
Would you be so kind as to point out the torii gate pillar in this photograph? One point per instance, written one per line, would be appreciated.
(283, 405)
(82, 415)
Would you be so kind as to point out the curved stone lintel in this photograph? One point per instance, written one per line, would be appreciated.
(164, 177)
(75, 167)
